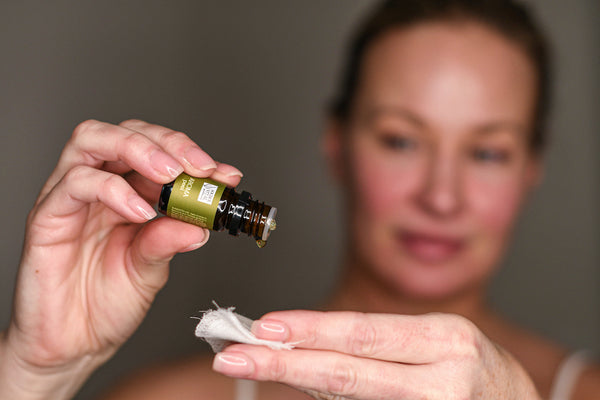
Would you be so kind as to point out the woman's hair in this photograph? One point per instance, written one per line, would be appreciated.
(506, 17)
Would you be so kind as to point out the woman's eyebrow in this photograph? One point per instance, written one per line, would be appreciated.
(484, 129)
(400, 112)
(502, 126)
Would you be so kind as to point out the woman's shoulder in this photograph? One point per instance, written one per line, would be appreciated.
(544, 360)
(588, 386)
(579, 376)
(190, 378)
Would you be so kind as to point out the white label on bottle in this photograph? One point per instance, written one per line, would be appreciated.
(207, 193)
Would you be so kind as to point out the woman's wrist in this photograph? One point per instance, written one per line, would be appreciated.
(21, 380)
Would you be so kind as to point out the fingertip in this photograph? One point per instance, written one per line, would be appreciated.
(235, 174)
(201, 164)
(233, 364)
(141, 208)
(166, 166)
(229, 171)
(228, 175)
(198, 244)
(163, 238)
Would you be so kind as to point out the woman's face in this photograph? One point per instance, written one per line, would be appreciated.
(436, 156)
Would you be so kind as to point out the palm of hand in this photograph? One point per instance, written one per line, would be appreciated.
(84, 298)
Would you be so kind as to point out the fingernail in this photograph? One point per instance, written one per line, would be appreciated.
(197, 245)
(229, 170)
(141, 208)
(233, 365)
(199, 159)
(270, 330)
(192, 247)
(165, 164)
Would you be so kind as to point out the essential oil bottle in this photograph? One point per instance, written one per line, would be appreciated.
(213, 205)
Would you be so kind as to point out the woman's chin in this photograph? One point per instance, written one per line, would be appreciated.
(428, 282)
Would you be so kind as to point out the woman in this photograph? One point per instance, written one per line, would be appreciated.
(436, 139)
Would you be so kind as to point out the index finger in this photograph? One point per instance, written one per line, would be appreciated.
(195, 160)
(391, 337)
(94, 143)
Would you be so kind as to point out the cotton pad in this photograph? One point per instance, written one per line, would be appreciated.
(222, 327)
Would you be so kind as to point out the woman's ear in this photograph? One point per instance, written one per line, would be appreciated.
(332, 147)
(534, 174)
(535, 171)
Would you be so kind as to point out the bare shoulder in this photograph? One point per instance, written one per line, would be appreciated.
(191, 378)
(539, 356)
(588, 385)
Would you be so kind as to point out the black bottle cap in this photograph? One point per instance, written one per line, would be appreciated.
(238, 212)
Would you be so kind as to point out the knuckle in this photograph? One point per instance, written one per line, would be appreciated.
(170, 137)
(112, 184)
(131, 122)
(466, 339)
(277, 368)
(342, 380)
(312, 336)
(83, 127)
(362, 340)
(75, 174)
(134, 140)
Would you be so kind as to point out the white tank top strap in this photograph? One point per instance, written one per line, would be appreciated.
(567, 375)
(245, 389)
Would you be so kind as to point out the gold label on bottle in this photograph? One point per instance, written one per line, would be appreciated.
(195, 200)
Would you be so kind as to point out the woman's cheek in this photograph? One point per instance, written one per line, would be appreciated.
(496, 202)
(383, 183)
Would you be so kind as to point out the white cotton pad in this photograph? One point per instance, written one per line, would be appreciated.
(222, 326)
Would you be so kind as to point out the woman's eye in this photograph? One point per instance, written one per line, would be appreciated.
(490, 155)
(396, 142)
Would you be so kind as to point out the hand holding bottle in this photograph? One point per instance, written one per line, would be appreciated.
(92, 263)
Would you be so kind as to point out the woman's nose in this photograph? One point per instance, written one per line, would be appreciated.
(441, 192)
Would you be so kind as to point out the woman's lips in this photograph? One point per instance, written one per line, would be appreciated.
(430, 248)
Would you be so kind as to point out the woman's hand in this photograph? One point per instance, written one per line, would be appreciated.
(91, 265)
(348, 355)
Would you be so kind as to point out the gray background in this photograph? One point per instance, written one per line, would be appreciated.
(248, 81)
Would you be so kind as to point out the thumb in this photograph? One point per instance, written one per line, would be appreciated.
(156, 244)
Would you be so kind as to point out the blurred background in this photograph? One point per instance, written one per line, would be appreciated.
(249, 82)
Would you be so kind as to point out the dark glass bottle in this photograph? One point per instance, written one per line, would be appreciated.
(212, 205)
